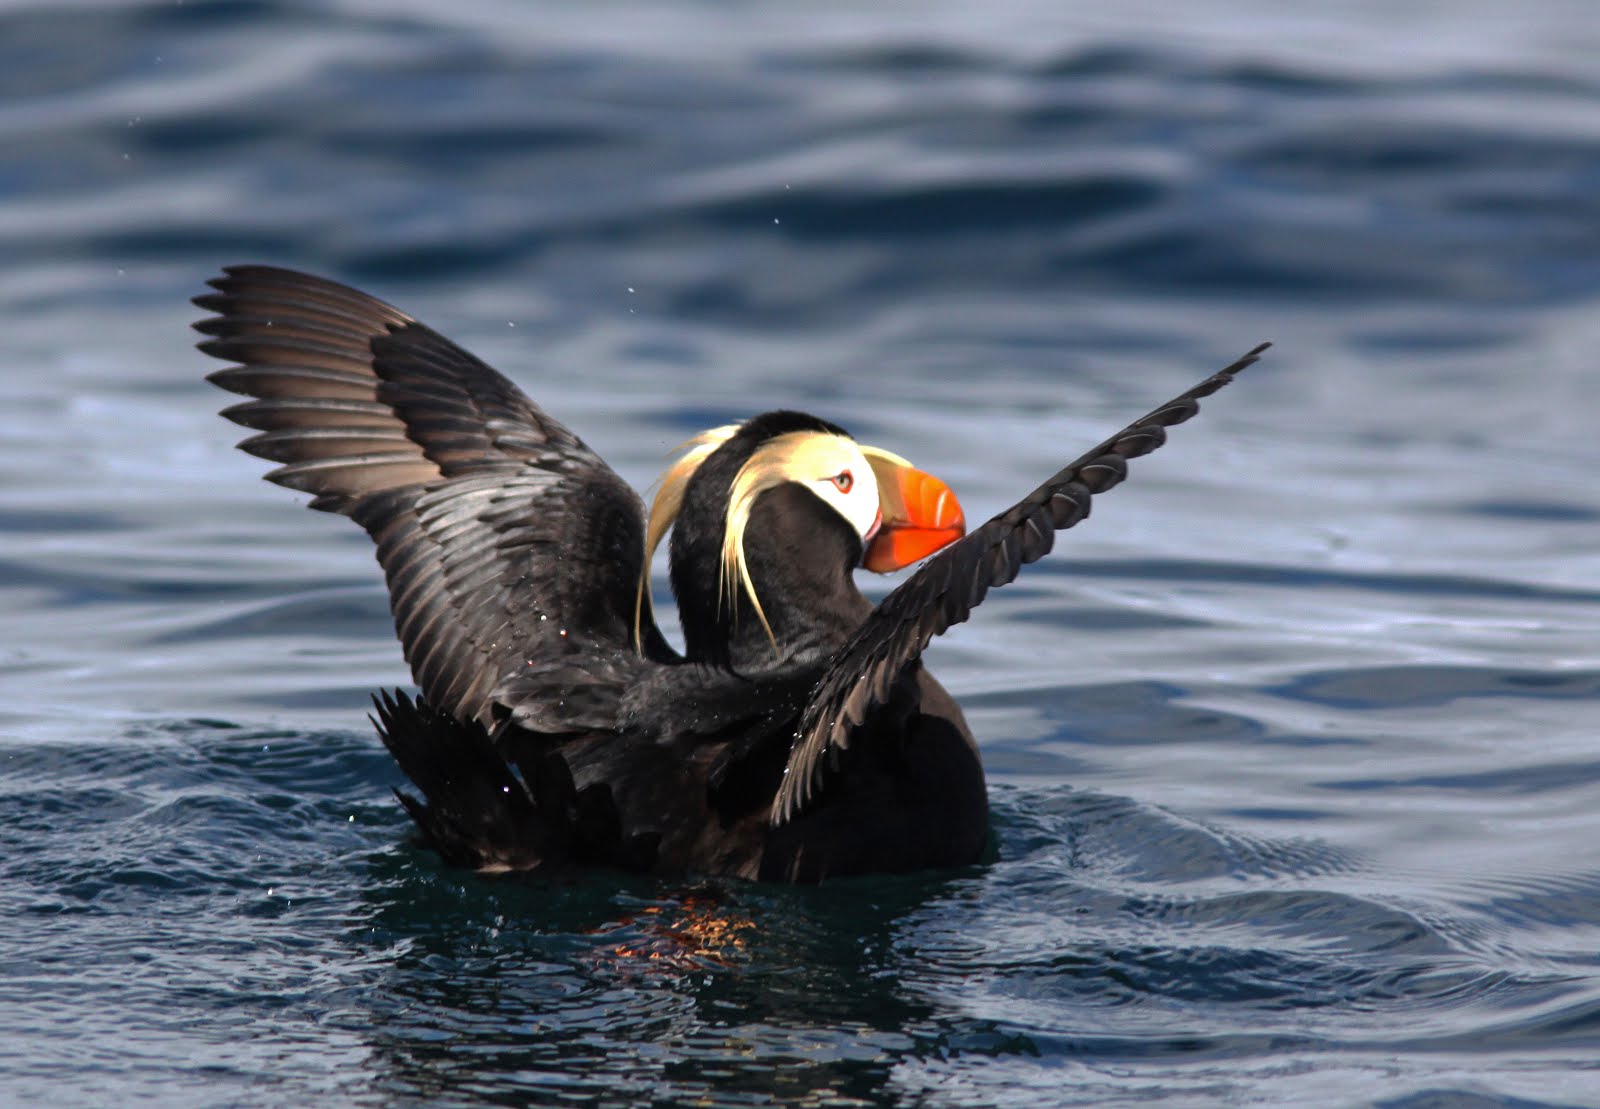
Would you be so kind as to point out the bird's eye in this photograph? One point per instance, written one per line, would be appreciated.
(843, 480)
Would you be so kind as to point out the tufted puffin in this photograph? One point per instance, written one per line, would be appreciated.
(797, 737)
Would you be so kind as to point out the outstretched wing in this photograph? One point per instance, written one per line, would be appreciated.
(508, 545)
(945, 589)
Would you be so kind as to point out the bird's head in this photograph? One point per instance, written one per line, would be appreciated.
(777, 511)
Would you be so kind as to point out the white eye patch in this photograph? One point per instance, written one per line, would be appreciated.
(847, 484)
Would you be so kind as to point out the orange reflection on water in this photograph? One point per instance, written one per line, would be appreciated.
(697, 928)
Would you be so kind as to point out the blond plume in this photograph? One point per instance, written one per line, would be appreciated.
(666, 505)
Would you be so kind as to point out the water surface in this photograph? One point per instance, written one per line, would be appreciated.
(1295, 780)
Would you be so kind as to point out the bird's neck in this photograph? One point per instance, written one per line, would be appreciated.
(800, 557)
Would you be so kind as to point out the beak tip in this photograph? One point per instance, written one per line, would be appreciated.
(920, 515)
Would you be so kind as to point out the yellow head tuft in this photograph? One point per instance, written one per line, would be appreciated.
(666, 505)
(810, 458)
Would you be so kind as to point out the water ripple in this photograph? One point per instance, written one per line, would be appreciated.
(1292, 744)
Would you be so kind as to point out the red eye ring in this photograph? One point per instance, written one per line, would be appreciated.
(843, 480)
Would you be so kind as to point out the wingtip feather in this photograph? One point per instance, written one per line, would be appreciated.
(893, 636)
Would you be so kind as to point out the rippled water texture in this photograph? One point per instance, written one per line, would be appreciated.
(1295, 770)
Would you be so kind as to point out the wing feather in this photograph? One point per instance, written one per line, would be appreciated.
(945, 590)
(499, 531)
(270, 380)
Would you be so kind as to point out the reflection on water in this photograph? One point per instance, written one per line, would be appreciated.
(1295, 779)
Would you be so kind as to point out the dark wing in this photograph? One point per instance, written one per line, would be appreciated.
(945, 589)
(509, 546)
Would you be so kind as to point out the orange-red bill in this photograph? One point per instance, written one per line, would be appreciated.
(920, 515)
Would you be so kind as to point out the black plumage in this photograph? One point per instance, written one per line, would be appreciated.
(808, 743)
(951, 584)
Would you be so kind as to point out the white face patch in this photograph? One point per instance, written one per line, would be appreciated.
(847, 484)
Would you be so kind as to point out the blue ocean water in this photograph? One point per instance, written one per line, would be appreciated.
(1293, 750)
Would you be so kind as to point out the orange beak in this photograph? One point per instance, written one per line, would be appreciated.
(919, 515)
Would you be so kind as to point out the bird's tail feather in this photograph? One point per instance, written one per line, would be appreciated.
(477, 809)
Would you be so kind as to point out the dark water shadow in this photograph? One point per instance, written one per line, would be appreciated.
(598, 985)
